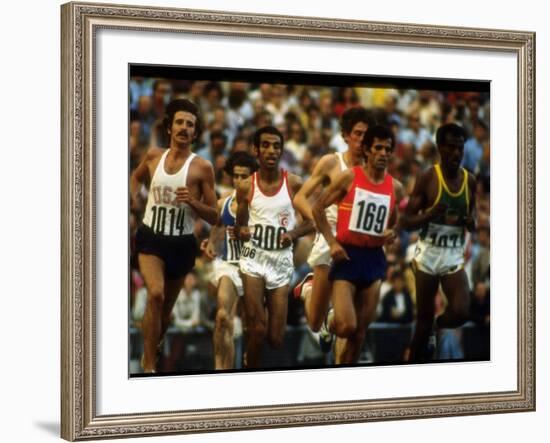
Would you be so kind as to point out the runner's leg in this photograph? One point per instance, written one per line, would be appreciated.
(224, 348)
(256, 318)
(277, 307)
(317, 297)
(426, 290)
(457, 290)
(152, 270)
(345, 319)
(365, 307)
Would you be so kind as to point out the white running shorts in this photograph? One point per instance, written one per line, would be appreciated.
(275, 267)
(320, 252)
(225, 269)
(435, 260)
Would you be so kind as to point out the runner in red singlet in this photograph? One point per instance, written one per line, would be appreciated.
(366, 196)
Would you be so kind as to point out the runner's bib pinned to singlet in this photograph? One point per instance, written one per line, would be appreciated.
(163, 214)
(270, 215)
(370, 212)
(231, 246)
(365, 211)
(447, 230)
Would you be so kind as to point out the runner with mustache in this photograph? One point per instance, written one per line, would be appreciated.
(366, 196)
(266, 224)
(181, 189)
(441, 206)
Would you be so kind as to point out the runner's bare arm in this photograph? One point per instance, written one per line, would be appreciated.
(206, 206)
(416, 216)
(470, 220)
(390, 234)
(241, 220)
(313, 183)
(399, 193)
(333, 194)
(142, 173)
(210, 244)
(303, 227)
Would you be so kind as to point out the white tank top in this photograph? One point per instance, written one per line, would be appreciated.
(163, 214)
(270, 216)
(332, 210)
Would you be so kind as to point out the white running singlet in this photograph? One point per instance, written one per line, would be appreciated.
(270, 216)
(163, 214)
(320, 252)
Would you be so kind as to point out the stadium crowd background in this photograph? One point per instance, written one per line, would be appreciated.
(308, 116)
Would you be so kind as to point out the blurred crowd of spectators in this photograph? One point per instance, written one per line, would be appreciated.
(308, 116)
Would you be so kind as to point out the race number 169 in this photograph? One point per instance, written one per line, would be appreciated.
(370, 212)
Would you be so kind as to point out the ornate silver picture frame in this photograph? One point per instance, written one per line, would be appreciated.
(80, 243)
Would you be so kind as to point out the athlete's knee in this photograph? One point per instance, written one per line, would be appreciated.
(345, 328)
(454, 316)
(358, 336)
(275, 337)
(257, 331)
(459, 317)
(315, 323)
(223, 320)
(156, 295)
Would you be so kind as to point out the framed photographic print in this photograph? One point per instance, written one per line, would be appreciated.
(125, 71)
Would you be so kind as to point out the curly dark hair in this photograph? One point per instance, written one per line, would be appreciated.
(182, 104)
(240, 158)
(352, 116)
(380, 132)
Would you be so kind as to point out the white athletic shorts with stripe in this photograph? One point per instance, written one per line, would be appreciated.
(229, 270)
(320, 252)
(275, 267)
(436, 260)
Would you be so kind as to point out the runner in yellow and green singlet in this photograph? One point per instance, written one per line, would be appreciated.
(446, 229)
(441, 206)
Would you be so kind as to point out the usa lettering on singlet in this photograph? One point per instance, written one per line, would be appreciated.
(364, 213)
(270, 216)
(231, 246)
(447, 230)
(163, 214)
